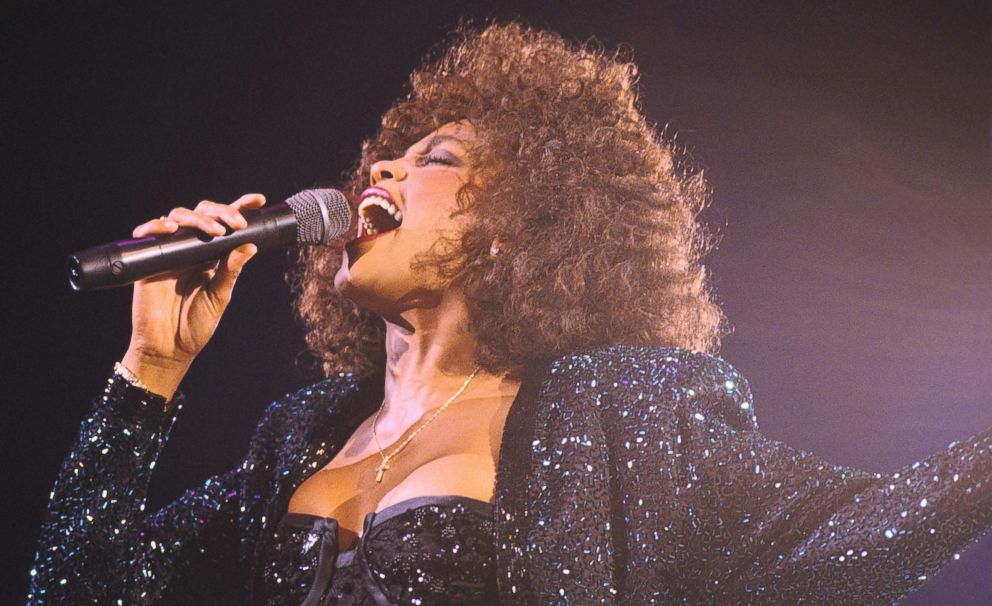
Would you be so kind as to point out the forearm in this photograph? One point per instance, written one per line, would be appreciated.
(98, 496)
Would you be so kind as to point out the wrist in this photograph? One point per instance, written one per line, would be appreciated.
(158, 374)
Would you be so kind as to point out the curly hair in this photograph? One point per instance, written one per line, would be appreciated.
(598, 220)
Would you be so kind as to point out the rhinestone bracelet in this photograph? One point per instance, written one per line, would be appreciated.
(129, 376)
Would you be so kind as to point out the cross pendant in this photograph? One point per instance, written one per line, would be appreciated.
(381, 470)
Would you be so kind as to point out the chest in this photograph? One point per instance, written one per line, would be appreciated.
(457, 454)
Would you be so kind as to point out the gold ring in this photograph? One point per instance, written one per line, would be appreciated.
(163, 218)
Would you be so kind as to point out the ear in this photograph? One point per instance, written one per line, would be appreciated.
(498, 247)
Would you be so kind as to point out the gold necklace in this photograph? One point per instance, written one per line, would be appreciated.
(384, 466)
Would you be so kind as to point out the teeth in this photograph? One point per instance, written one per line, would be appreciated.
(381, 203)
(367, 227)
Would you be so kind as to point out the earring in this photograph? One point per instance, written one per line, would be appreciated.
(493, 250)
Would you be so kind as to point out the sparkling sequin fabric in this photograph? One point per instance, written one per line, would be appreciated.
(627, 475)
(427, 550)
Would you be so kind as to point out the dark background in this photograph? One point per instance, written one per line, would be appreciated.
(847, 144)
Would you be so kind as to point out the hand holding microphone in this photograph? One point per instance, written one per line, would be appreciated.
(178, 299)
(313, 216)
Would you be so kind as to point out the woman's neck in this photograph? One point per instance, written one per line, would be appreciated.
(428, 359)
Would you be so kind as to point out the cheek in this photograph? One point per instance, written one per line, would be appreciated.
(434, 218)
(434, 205)
(448, 218)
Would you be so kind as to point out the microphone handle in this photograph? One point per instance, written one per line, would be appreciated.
(122, 263)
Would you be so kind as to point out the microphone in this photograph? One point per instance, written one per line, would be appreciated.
(313, 216)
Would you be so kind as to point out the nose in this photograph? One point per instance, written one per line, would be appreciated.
(387, 169)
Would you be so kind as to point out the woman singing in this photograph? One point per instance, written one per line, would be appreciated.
(520, 406)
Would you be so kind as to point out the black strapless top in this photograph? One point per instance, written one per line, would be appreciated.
(422, 551)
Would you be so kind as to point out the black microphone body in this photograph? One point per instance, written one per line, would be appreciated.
(309, 217)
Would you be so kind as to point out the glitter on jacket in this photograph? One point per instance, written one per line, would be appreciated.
(627, 475)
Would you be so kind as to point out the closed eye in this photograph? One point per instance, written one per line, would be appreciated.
(435, 158)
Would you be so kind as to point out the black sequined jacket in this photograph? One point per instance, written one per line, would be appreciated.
(627, 475)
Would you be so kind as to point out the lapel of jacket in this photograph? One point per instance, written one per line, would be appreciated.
(554, 531)
(511, 510)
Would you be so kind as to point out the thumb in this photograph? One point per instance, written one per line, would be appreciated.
(230, 268)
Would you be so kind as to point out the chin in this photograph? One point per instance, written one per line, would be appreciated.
(350, 286)
(368, 293)
(385, 289)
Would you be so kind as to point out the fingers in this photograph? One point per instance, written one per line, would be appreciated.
(237, 258)
(155, 226)
(199, 219)
(249, 201)
(222, 282)
(209, 217)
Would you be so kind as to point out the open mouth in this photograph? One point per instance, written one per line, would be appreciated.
(377, 215)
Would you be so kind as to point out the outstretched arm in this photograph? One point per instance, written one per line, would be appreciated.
(771, 524)
(806, 531)
(711, 511)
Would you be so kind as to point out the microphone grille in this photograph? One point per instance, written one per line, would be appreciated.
(321, 215)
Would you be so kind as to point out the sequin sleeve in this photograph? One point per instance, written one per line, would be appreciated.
(764, 523)
(98, 545)
(654, 486)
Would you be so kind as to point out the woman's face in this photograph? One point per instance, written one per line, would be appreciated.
(402, 215)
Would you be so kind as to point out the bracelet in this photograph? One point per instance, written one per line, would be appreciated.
(128, 397)
(129, 376)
